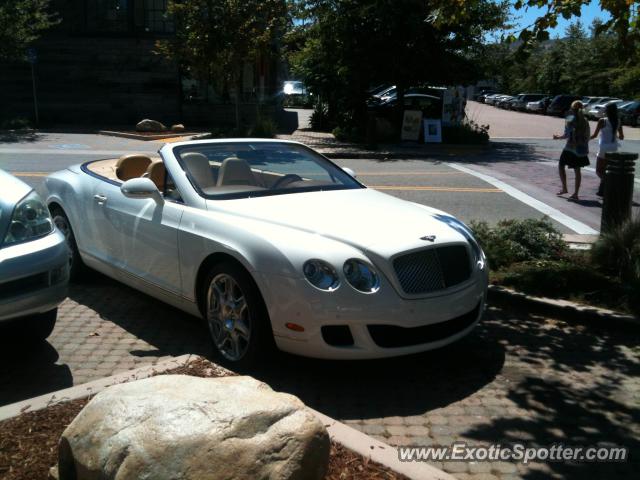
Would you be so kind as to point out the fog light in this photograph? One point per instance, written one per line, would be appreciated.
(294, 326)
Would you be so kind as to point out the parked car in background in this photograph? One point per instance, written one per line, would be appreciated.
(630, 115)
(596, 112)
(273, 245)
(483, 95)
(34, 261)
(539, 106)
(490, 99)
(521, 101)
(561, 104)
(503, 101)
(430, 105)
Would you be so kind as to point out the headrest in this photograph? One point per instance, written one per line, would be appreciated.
(235, 171)
(132, 166)
(157, 173)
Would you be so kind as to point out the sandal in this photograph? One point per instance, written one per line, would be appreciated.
(574, 197)
(561, 192)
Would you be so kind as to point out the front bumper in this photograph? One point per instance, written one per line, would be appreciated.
(378, 323)
(33, 276)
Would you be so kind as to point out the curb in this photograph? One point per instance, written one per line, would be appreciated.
(378, 451)
(564, 309)
(136, 136)
(351, 438)
(440, 151)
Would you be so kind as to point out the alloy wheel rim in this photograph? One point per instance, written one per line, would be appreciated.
(62, 225)
(228, 317)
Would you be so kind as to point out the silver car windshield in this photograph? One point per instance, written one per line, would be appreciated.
(247, 169)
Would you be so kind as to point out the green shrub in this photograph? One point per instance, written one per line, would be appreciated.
(618, 252)
(467, 133)
(15, 124)
(263, 128)
(512, 241)
(320, 120)
(556, 278)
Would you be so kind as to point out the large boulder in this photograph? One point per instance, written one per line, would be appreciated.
(148, 125)
(182, 427)
(178, 127)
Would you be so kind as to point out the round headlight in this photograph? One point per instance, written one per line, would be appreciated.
(321, 275)
(361, 276)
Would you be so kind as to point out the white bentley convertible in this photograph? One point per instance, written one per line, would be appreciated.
(271, 243)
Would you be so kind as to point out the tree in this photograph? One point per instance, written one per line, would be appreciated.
(352, 45)
(21, 22)
(216, 38)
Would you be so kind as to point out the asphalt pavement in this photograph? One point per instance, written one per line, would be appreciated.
(515, 178)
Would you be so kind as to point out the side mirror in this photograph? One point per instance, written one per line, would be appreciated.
(141, 188)
(349, 171)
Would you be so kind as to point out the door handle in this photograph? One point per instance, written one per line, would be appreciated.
(100, 199)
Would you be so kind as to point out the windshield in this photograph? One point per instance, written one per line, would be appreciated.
(249, 169)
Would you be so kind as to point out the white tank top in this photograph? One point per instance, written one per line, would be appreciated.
(607, 135)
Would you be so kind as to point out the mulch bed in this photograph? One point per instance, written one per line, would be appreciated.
(29, 442)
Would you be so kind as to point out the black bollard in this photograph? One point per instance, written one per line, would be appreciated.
(618, 189)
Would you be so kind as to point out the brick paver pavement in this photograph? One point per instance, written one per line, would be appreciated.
(516, 378)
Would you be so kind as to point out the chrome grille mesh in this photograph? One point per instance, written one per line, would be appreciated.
(432, 269)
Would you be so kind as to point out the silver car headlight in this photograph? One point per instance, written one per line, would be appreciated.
(321, 275)
(30, 220)
(466, 232)
(361, 276)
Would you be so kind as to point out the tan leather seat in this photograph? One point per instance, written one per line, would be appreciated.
(132, 166)
(157, 173)
(198, 166)
(235, 171)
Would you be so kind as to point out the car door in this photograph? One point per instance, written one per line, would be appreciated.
(140, 236)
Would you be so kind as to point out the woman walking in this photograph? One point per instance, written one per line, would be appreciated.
(610, 129)
(576, 151)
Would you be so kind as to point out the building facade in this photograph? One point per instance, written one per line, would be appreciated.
(98, 67)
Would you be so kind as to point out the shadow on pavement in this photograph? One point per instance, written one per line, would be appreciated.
(166, 330)
(32, 361)
(561, 406)
(411, 385)
(17, 136)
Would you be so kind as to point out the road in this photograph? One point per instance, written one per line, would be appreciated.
(514, 179)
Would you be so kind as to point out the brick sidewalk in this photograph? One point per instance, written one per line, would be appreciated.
(516, 378)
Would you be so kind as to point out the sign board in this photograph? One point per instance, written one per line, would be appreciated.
(411, 125)
(32, 55)
(454, 102)
(432, 130)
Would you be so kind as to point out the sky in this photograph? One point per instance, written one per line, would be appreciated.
(524, 18)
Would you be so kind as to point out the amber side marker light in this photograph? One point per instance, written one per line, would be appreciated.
(295, 327)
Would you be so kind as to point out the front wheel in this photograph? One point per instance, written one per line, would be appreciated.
(236, 317)
(76, 266)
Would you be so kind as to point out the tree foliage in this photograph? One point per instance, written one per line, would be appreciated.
(21, 22)
(581, 63)
(341, 48)
(216, 38)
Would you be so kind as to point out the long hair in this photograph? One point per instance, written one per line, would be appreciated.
(612, 114)
(582, 125)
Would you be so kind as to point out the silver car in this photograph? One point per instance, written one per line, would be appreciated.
(34, 260)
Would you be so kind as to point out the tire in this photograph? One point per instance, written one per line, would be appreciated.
(236, 317)
(77, 268)
(40, 326)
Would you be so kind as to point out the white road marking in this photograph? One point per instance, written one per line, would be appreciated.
(549, 211)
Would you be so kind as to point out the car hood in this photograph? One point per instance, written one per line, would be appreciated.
(13, 190)
(364, 218)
